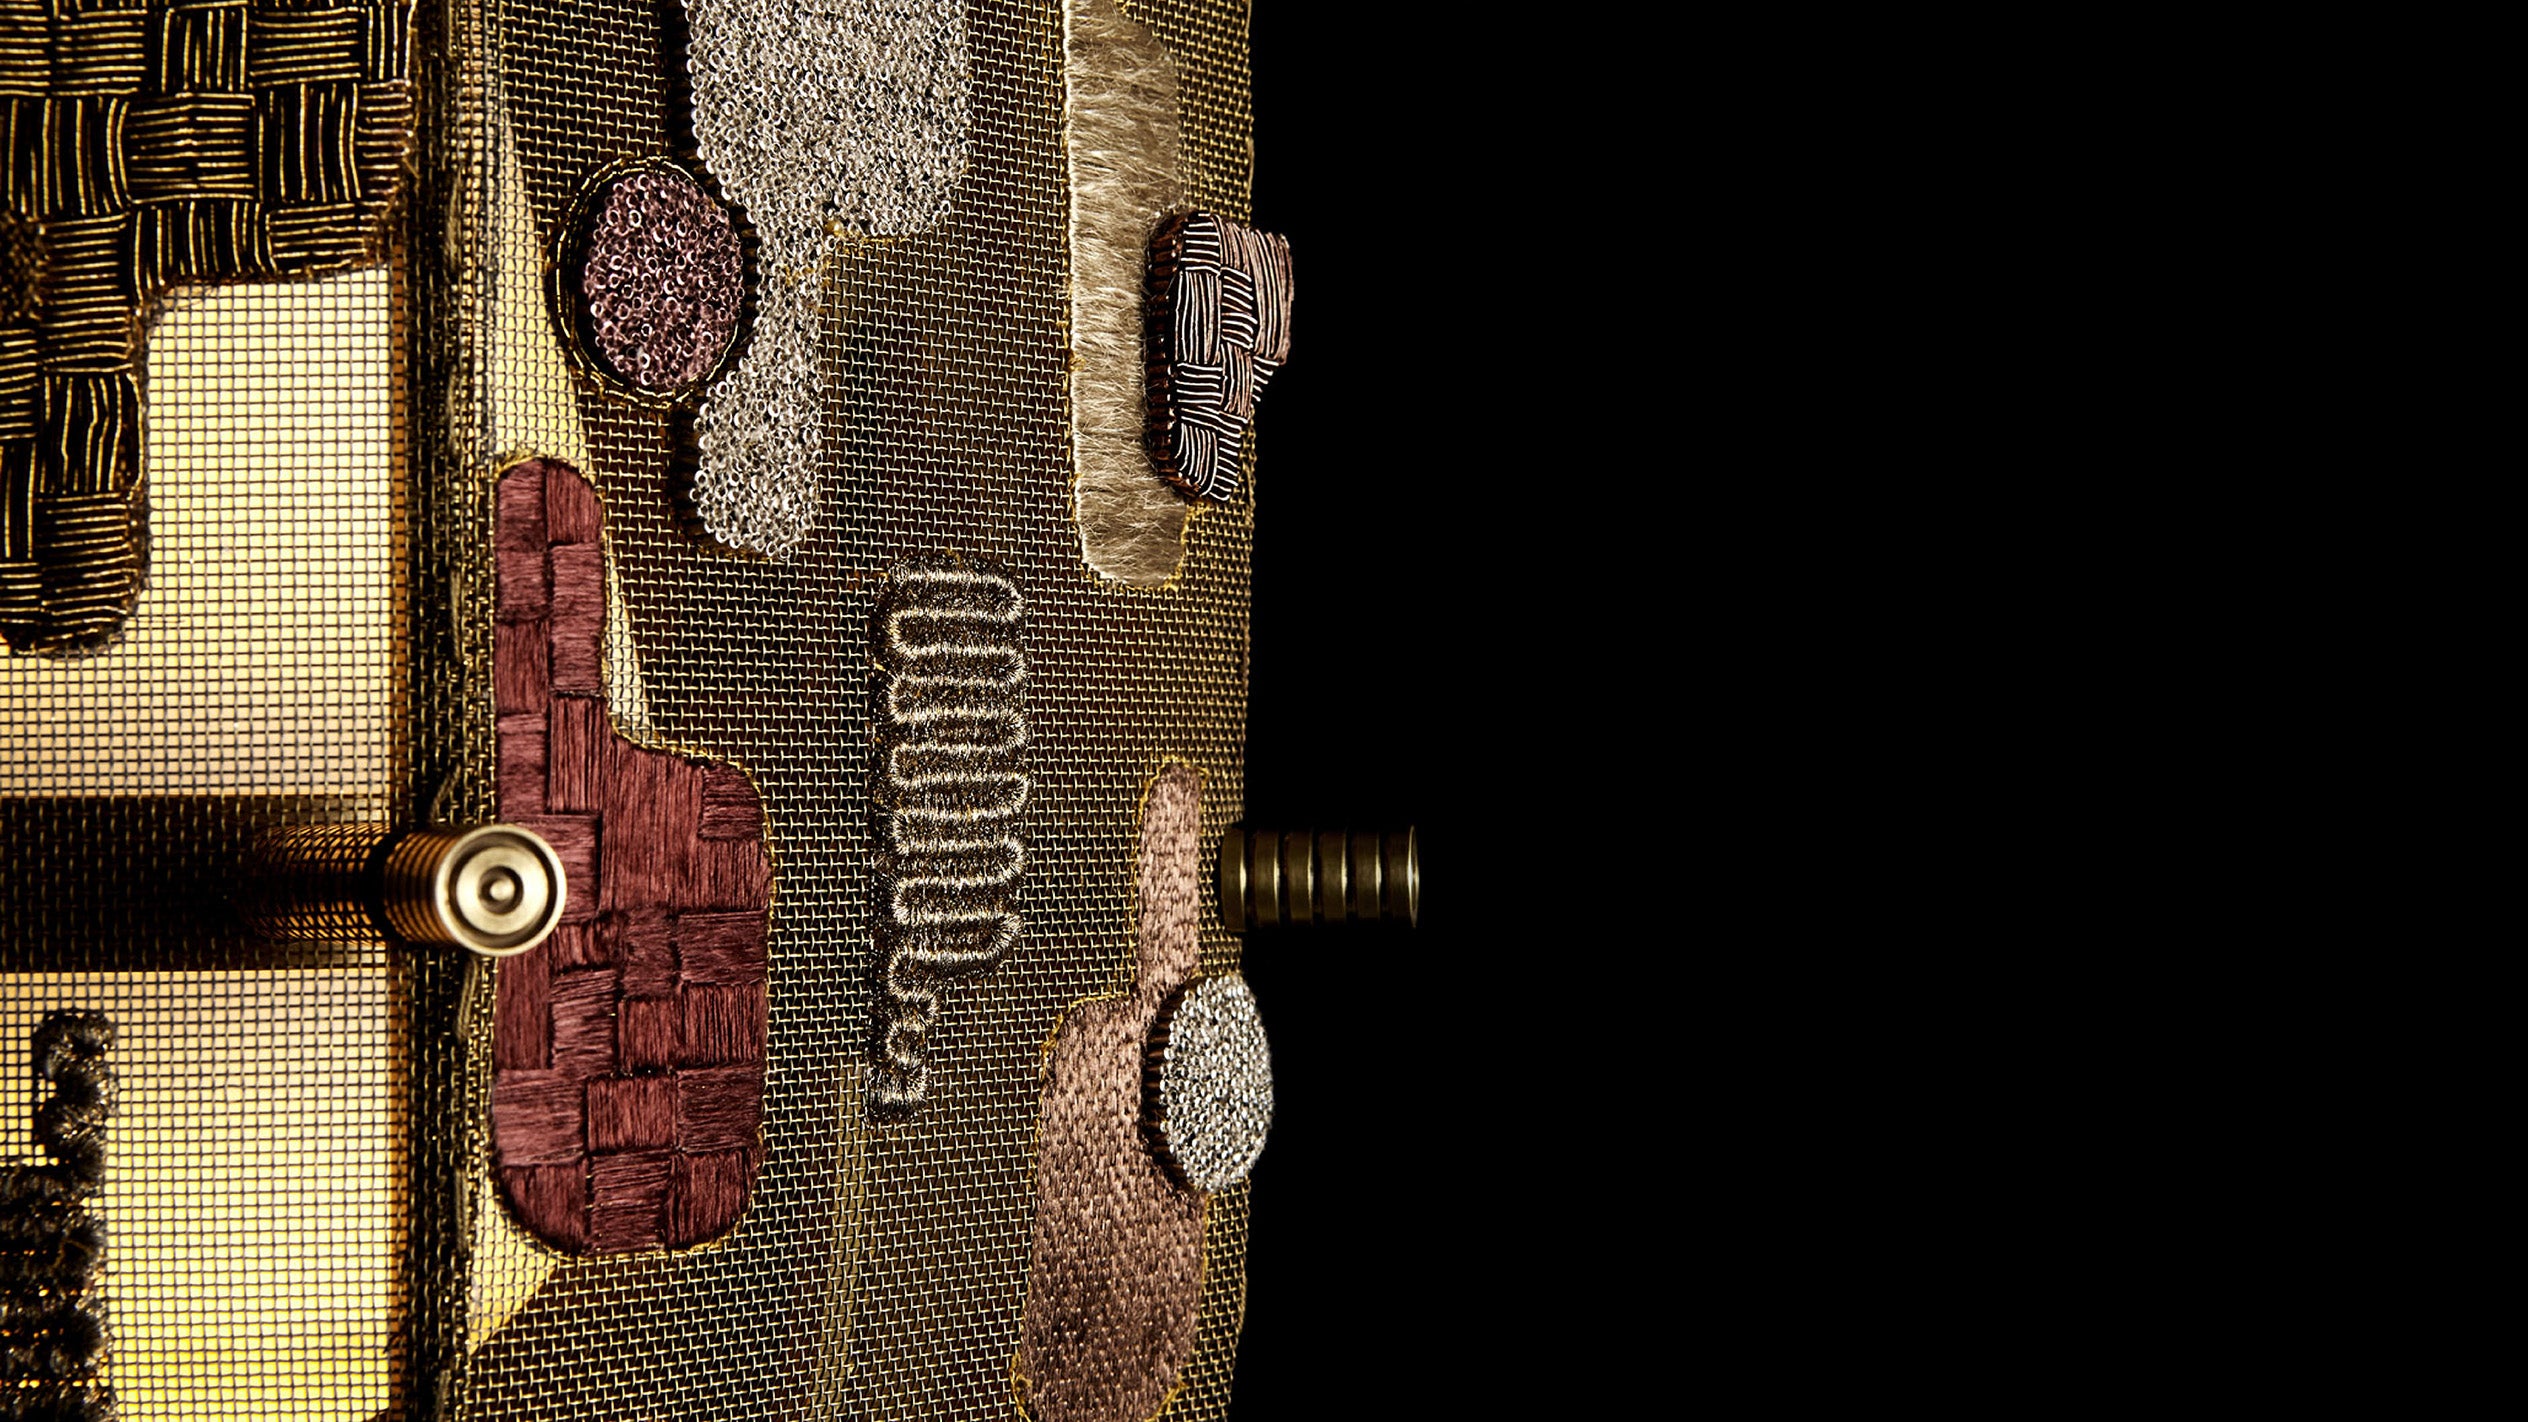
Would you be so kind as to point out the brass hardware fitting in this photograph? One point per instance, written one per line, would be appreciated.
(314, 884)
(494, 889)
(1269, 877)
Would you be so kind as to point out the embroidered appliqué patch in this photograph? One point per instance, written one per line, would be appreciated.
(53, 1338)
(1219, 319)
(1209, 1089)
(155, 147)
(1114, 1279)
(1121, 144)
(821, 120)
(628, 1050)
(951, 786)
(654, 282)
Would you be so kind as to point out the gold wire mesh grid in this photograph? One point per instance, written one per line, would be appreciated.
(250, 1199)
(948, 431)
(252, 1190)
(260, 660)
(879, 1273)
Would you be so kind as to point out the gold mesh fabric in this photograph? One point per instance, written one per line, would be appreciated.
(252, 1195)
(880, 1271)
(262, 663)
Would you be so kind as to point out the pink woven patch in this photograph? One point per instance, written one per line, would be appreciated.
(1114, 1284)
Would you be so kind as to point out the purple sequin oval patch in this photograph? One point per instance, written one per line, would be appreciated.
(663, 279)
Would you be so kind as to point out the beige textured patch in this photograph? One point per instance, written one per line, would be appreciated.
(1120, 135)
(823, 120)
(1115, 1279)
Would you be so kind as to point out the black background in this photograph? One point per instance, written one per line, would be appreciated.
(1381, 1222)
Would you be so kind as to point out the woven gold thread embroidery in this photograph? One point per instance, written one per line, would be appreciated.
(143, 147)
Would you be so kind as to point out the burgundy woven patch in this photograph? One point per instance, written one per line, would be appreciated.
(628, 1050)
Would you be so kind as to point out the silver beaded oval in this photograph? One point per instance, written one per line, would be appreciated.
(1209, 1087)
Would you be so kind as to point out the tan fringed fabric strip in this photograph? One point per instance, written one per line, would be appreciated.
(1115, 1277)
(143, 148)
(1120, 137)
(628, 1050)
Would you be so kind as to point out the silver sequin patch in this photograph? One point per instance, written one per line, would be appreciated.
(1210, 1082)
(822, 120)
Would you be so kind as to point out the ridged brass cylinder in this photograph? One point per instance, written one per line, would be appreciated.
(493, 889)
(1272, 877)
(315, 884)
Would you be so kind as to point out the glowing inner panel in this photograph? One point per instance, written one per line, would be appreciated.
(249, 1193)
(260, 660)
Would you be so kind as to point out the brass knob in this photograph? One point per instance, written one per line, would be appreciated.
(1269, 877)
(493, 889)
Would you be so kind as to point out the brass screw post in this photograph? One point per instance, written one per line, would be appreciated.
(1270, 877)
(315, 884)
(493, 889)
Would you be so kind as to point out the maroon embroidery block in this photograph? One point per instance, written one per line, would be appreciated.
(628, 1050)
